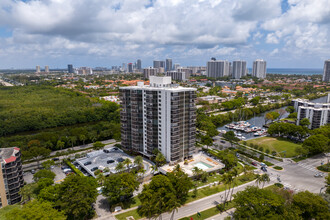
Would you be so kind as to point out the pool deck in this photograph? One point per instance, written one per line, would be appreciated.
(199, 157)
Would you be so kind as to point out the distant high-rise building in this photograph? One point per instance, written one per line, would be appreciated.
(326, 71)
(124, 67)
(169, 65)
(70, 68)
(130, 67)
(47, 69)
(259, 69)
(147, 72)
(218, 68)
(139, 65)
(158, 63)
(239, 69)
(176, 66)
(160, 116)
(37, 69)
(11, 176)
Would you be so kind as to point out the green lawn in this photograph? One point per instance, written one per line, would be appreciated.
(276, 144)
(5, 210)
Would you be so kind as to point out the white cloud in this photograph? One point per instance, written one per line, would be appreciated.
(193, 29)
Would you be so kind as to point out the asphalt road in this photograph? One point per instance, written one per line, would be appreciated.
(296, 176)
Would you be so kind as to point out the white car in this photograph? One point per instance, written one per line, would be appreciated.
(118, 209)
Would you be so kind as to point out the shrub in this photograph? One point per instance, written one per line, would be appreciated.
(279, 185)
(325, 167)
(244, 142)
(78, 172)
(274, 153)
(262, 157)
(261, 148)
(252, 145)
(278, 168)
(267, 151)
(268, 163)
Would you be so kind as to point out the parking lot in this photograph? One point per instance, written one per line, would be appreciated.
(28, 176)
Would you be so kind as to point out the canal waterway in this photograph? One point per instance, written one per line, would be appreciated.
(259, 120)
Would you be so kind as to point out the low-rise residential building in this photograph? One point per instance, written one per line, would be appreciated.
(212, 99)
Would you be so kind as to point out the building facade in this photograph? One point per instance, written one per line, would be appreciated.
(139, 65)
(147, 72)
(259, 69)
(70, 68)
(169, 65)
(37, 69)
(47, 69)
(130, 67)
(11, 176)
(239, 69)
(217, 68)
(159, 116)
(159, 64)
(178, 76)
(326, 71)
(318, 114)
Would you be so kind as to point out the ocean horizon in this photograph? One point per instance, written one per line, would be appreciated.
(293, 71)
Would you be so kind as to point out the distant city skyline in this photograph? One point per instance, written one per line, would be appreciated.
(285, 33)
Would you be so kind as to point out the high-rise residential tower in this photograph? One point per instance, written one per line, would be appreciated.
(326, 71)
(169, 65)
(239, 69)
(259, 69)
(139, 65)
(147, 72)
(37, 69)
(159, 116)
(11, 176)
(158, 64)
(130, 67)
(70, 68)
(47, 69)
(217, 68)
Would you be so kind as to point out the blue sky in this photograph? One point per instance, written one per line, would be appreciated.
(285, 33)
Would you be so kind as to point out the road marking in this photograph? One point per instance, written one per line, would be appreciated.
(59, 181)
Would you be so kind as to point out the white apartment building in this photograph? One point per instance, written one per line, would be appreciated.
(239, 69)
(318, 114)
(218, 68)
(259, 69)
(159, 116)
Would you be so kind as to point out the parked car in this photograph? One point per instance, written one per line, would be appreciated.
(120, 159)
(118, 209)
(67, 170)
(94, 168)
(88, 163)
(33, 171)
(56, 159)
(254, 163)
(110, 161)
(223, 142)
(318, 175)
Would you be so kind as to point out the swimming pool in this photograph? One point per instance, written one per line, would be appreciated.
(202, 165)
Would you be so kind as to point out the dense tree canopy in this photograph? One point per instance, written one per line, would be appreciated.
(38, 107)
(35, 210)
(317, 144)
(119, 187)
(76, 195)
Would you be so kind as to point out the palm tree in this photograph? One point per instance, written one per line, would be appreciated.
(197, 172)
(227, 179)
(234, 174)
(154, 168)
(138, 161)
(259, 179)
(119, 168)
(265, 178)
(127, 162)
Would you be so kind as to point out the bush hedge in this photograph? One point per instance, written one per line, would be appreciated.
(78, 172)
(278, 168)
